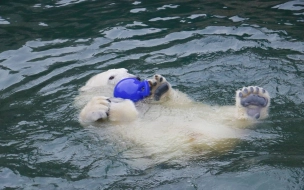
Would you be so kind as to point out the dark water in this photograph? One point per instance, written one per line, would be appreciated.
(207, 49)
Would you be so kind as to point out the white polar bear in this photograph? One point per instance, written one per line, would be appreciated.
(168, 120)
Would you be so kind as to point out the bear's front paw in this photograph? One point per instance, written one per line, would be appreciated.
(252, 102)
(96, 109)
(156, 81)
(159, 86)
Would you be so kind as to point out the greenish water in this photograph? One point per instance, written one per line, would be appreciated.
(207, 49)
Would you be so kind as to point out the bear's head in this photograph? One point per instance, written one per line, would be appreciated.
(107, 79)
(105, 82)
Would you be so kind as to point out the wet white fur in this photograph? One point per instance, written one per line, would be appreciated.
(173, 126)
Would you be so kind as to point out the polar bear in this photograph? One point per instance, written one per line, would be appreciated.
(168, 120)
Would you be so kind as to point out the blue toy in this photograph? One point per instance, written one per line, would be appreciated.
(132, 88)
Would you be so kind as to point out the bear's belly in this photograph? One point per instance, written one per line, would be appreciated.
(161, 129)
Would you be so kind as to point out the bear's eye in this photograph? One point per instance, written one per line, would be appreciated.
(111, 77)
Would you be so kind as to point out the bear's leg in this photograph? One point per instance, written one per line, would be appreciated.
(101, 108)
(159, 87)
(122, 110)
(252, 102)
(96, 109)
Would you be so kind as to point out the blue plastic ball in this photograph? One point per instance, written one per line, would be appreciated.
(132, 88)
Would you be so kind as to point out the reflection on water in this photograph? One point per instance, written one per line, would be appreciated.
(206, 49)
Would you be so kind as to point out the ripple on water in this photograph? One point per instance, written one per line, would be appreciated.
(3, 21)
(207, 52)
(291, 5)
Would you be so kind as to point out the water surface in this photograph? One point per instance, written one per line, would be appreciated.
(206, 49)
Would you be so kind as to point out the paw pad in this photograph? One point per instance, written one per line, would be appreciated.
(254, 100)
(158, 86)
(253, 96)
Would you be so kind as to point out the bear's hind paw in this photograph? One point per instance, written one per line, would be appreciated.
(254, 100)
